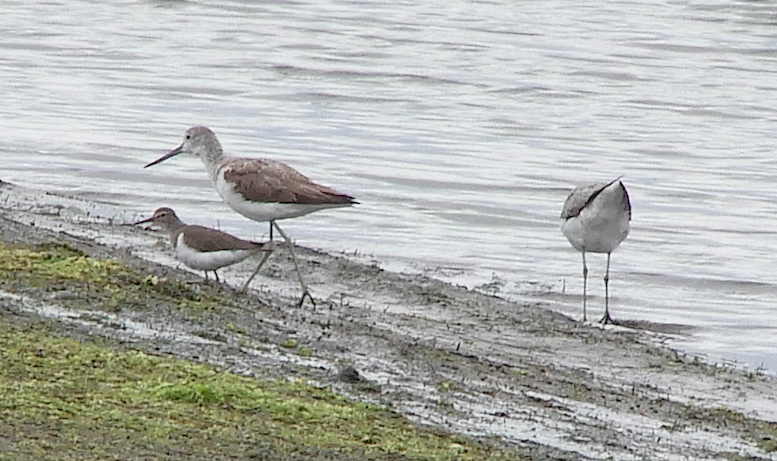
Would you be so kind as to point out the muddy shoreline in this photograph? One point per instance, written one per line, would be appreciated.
(518, 375)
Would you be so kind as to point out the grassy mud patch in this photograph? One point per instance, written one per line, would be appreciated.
(64, 272)
(65, 399)
(104, 355)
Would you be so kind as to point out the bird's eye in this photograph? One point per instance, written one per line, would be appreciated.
(188, 136)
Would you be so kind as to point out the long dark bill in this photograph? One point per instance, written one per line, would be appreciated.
(172, 153)
(144, 221)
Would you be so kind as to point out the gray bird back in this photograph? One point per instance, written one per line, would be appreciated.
(269, 181)
(206, 240)
(581, 196)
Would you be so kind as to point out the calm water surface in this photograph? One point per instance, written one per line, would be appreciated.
(460, 126)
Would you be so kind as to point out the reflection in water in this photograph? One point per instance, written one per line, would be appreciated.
(459, 126)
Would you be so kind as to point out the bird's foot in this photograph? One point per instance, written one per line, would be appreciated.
(607, 319)
(306, 294)
(211, 282)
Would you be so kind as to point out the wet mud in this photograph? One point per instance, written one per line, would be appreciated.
(517, 374)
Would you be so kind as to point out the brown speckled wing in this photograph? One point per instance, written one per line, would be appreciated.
(264, 180)
(205, 239)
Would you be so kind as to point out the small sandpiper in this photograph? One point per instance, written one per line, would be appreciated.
(596, 219)
(258, 188)
(203, 248)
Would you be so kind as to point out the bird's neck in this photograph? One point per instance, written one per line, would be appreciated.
(175, 229)
(613, 198)
(613, 192)
(212, 158)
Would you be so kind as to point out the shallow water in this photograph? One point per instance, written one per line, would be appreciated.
(459, 126)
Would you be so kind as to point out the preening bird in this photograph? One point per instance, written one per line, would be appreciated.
(596, 219)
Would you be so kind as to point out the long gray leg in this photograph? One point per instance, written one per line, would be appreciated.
(607, 319)
(261, 264)
(585, 285)
(290, 244)
(259, 267)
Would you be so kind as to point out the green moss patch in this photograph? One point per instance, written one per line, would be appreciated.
(66, 400)
(92, 283)
(63, 399)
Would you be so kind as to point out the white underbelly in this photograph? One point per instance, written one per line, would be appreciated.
(265, 211)
(208, 261)
(595, 236)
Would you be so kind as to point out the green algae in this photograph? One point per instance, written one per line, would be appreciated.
(64, 399)
(62, 270)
